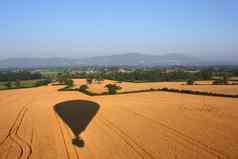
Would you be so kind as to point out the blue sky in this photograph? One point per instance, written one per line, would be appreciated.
(75, 28)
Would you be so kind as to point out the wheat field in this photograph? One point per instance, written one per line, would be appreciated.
(204, 86)
(45, 123)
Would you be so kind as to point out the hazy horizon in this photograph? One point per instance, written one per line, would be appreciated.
(219, 58)
(77, 29)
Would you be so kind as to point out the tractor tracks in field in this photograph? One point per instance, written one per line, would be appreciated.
(68, 149)
(130, 142)
(13, 138)
(178, 136)
(65, 134)
(9, 98)
(62, 129)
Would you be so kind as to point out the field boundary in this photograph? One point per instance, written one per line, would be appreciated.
(165, 89)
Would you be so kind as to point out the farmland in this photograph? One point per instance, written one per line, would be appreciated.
(119, 79)
(203, 86)
(23, 84)
(44, 123)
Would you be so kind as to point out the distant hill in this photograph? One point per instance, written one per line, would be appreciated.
(129, 59)
(133, 59)
(35, 62)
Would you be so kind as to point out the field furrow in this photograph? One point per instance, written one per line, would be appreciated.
(45, 123)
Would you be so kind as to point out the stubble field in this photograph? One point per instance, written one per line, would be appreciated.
(203, 86)
(45, 123)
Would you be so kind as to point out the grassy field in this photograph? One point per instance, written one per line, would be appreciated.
(51, 73)
(2, 85)
(203, 86)
(23, 84)
(45, 123)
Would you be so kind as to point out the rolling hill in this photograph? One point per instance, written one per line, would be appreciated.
(128, 59)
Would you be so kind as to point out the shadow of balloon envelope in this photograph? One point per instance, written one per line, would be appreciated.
(77, 114)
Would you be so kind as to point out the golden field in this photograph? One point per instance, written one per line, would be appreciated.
(45, 123)
(204, 86)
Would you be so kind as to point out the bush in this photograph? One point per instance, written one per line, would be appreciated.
(18, 84)
(99, 79)
(219, 82)
(62, 78)
(8, 85)
(165, 89)
(112, 88)
(42, 82)
(89, 80)
(83, 88)
(69, 82)
(190, 82)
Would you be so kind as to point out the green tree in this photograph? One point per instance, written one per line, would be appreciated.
(218, 82)
(112, 88)
(190, 82)
(69, 82)
(206, 74)
(99, 77)
(62, 78)
(225, 79)
(83, 88)
(18, 84)
(8, 85)
(42, 82)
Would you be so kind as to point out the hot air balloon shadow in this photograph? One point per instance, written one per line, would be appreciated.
(77, 114)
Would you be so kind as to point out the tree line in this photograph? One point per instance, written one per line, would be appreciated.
(147, 76)
(19, 75)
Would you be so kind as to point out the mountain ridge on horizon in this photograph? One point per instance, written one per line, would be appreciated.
(128, 59)
(85, 57)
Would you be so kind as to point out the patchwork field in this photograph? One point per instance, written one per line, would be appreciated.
(204, 86)
(45, 123)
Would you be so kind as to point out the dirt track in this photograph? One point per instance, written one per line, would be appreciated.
(144, 125)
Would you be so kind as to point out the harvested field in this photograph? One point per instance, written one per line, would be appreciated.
(44, 123)
(204, 86)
